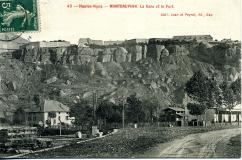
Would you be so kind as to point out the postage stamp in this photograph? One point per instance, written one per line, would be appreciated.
(18, 16)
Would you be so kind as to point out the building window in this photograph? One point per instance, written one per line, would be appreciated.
(54, 121)
(34, 118)
(52, 114)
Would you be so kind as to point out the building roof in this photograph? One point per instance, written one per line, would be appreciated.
(159, 39)
(49, 106)
(54, 106)
(175, 108)
(192, 36)
(237, 108)
(136, 41)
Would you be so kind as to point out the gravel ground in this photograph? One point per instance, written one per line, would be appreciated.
(128, 143)
(233, 148)
(211, 144)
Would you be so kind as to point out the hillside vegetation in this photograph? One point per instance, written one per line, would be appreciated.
(74, 74)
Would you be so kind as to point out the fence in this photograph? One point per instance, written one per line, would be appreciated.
(87, 129)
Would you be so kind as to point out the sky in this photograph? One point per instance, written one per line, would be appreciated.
(57, 21)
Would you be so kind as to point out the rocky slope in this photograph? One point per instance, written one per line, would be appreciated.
(69, 74)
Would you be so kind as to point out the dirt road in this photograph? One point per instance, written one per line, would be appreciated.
(202, 145)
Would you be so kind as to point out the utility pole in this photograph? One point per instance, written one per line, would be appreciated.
(60, 129)
(95, 103)
(60, 124)
(123, 113)
(94, 107)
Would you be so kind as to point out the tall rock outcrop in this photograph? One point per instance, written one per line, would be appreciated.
(177, 49)
(155, 50)
(136, 52)
(120, 55)
(85, 55)
(105, 55)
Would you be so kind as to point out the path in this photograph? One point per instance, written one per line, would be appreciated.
(201, 145)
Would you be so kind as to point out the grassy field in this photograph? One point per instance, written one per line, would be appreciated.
(128, 143)
(233, 148)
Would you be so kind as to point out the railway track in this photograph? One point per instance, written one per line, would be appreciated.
(19, 155)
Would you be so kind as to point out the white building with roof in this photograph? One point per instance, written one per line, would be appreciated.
(199, 38)
(50, 113)
(44, 44)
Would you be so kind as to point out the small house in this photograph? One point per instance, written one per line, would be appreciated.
(83, 42)
(106, 43)
(174, 115)
(225, 115)
(51, 113)
(199, 38)
(44, 44)
(222, 115)
(135, 41)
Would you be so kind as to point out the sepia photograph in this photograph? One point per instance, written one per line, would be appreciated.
(154, 79)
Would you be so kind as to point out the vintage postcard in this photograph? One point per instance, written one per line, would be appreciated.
(120, 79)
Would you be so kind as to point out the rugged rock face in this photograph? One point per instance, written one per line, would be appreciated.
(223, 56)
(154, 51)
(226, 55)
(136, 52)
(120, 55)
(144, 51)
(85, 55)
(178, 50)
(153, 70)
(105, 55)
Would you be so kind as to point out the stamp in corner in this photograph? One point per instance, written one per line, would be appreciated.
(18, 16)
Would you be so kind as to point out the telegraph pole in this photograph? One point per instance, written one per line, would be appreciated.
(123, 113)
(93, 103)
(60, 125)
(60, 129)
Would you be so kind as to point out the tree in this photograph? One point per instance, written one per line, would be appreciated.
(149, 107)
(196, 109)
(203, 90)
(236, 87)
(19, 116)
(215, 95)
(229, 98)
(197, 88)
(109, 112)
(134, 110)
(36, 99)
(82, 112)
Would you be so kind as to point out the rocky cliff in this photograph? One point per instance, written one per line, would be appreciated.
(69, 74)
